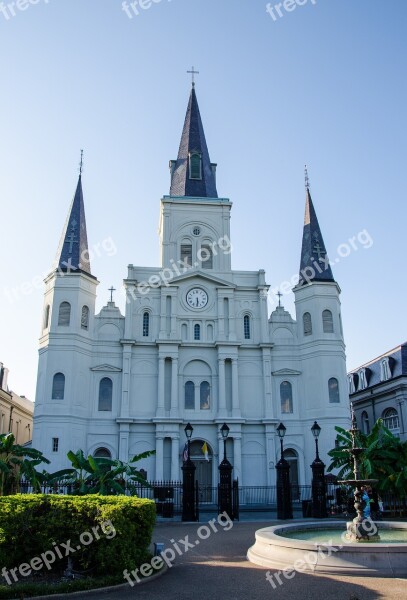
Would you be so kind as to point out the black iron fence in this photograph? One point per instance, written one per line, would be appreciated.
(167, 496)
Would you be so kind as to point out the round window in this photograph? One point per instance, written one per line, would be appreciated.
(196, 231)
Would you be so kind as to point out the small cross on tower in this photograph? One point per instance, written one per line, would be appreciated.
(111, 290)
(280, 295)
(193, 73)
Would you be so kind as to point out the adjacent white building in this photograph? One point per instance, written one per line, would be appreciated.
(196, 344)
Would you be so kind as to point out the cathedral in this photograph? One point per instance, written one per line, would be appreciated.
(196, 345)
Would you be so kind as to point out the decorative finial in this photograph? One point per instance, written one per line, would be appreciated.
(307, 183)
(280, 295)
(111, 290)
(193, 73)
(81, 165)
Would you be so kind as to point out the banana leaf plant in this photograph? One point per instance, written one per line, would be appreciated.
(17, 462)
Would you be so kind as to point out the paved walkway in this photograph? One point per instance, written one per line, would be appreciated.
(217, 568)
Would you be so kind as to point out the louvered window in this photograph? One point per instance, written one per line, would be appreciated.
(327, 321)
(64, 316)
(186, 255)
(58, 386)
(195, 166)
(307, 323)
(85, 317)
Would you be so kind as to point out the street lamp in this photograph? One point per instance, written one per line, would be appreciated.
(319, 510)
(284, 503)
(225, 433)
(189, 512)
(225, 504)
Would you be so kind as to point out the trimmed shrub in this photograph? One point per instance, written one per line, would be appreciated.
(101, 534)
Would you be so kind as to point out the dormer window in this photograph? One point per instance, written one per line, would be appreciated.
(385, 370)
(195, 166)
(352, 379)
(362, 380)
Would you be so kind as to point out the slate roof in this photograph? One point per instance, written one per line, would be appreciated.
(73, 253)
(193, 140)
(313, 248)
(398, 365)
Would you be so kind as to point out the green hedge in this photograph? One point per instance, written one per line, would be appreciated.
(33, 524)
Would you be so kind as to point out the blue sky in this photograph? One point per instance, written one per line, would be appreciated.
(324, 85)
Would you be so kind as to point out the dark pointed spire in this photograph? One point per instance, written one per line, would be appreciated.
(314, 259)
(73, 252)
(202, 182)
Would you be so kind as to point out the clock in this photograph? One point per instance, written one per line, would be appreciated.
(197, 298)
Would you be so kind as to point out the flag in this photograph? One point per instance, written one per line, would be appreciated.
(205, 451)
(185, 453)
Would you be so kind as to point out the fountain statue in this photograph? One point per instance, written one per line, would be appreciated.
(362, 528)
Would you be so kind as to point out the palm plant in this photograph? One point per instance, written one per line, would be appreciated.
(16, 462)
(97, 475)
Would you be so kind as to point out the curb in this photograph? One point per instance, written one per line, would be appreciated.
(98, 591)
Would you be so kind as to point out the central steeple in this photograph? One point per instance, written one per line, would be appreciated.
(193, 174)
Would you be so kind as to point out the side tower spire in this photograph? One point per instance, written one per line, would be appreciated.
(314, 264)
(73, 251)
(193, 174)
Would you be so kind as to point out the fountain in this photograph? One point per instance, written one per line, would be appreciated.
(362, 528)
(326, 547)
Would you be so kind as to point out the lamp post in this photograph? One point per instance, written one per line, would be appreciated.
(188, 481)
(319, 510)
(284, 503)
(225, 479)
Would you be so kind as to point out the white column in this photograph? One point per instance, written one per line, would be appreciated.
(161, 387)
(235, 389)
(128, 322)
(174, 387)
(175, 451)
(159, 458)
(237, 459)
(222, 389)
(221, 319)
(268, 398)
(125, 400)
(232, 319)
(124, 442)
(163, 316)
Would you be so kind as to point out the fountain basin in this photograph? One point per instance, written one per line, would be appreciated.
(378, 559)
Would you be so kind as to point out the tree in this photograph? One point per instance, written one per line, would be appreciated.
(97, 475)
(16, 462)
(384, 457)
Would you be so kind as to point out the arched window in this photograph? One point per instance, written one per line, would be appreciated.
(286, 397)
(362, 380)
(391, 420)
(205, 255)
(333, 388)
(197, 332)
(102, 453)
(146, 324)
(195, 166)
(184, 332)
(46, 316)
(189, 395)
(105, 394)
(327, 321)
(85, 317)
(186, 255)
(64, 316)
(246, 327)
(307, 322)
(365, 423)
(58, 386)
(205, 396)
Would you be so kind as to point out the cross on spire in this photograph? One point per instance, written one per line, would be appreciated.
(193, 73)
(307, 182)
(280, 295)
(81, 164)
(111, 290)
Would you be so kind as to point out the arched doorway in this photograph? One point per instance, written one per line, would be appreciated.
(102, 453)
(291, 456)
(203, 473)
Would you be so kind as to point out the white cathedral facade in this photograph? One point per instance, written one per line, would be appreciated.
(196, 344)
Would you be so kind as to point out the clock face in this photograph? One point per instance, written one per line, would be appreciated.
(197, 298)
